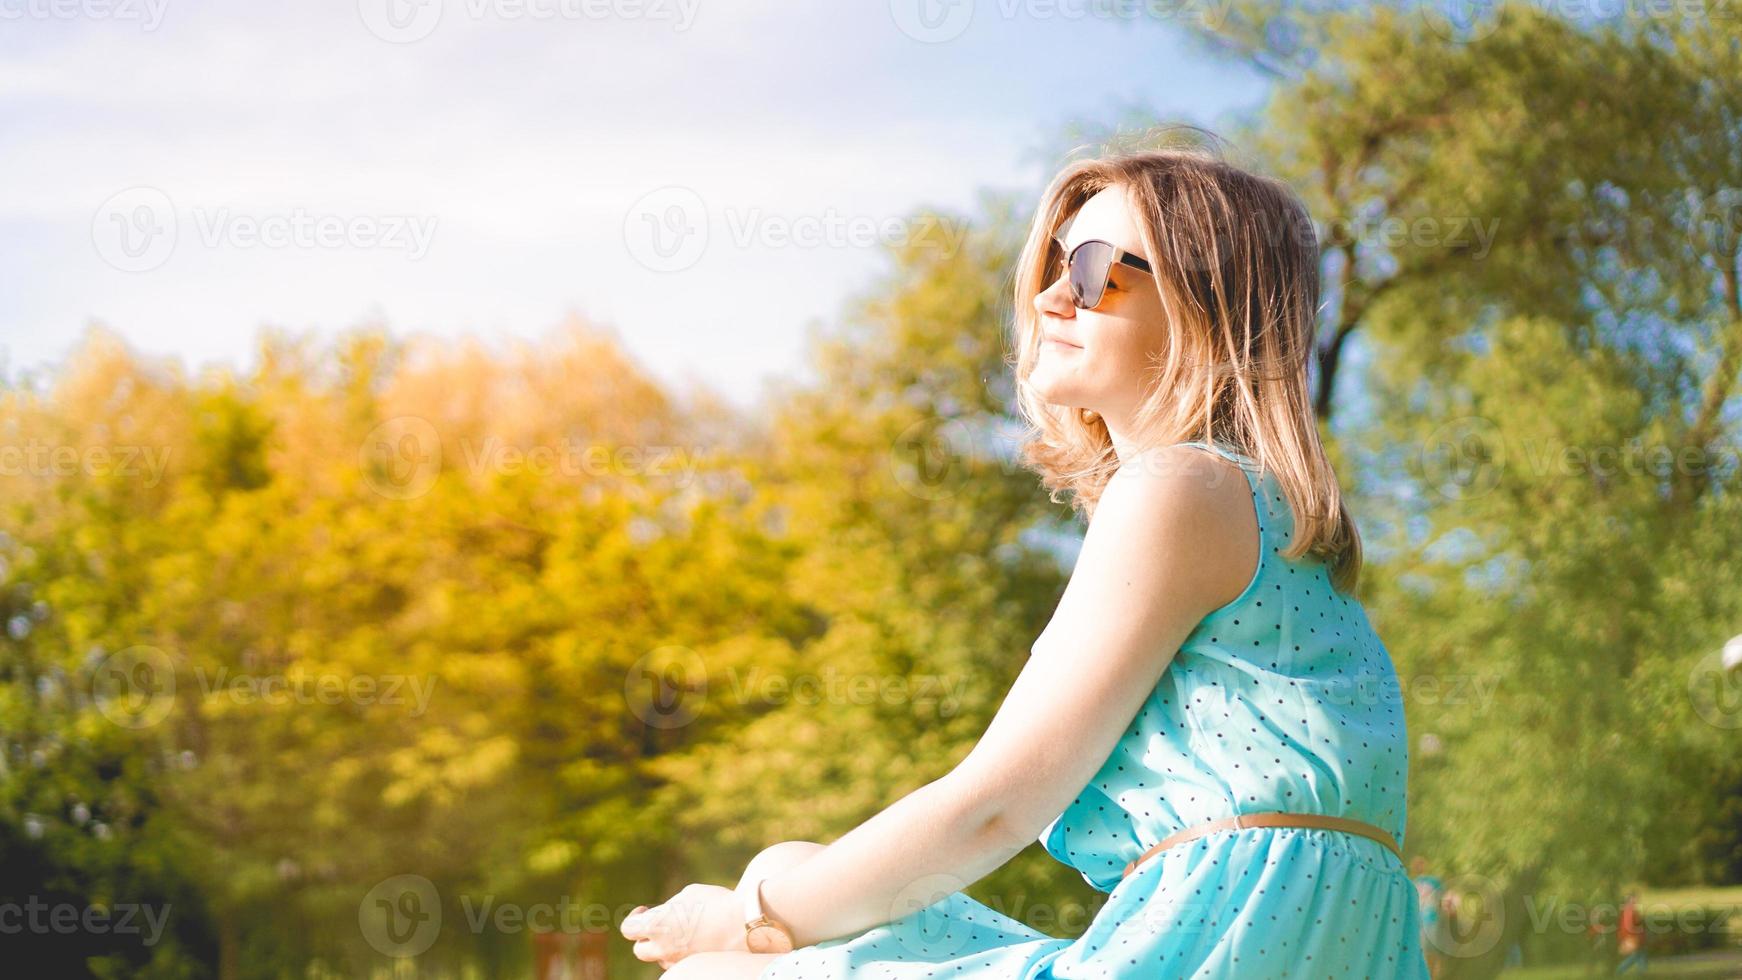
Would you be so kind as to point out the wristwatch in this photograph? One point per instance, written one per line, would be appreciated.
(763, 933)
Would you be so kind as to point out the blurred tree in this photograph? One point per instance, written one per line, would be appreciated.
(381, 611)
(1520, 397)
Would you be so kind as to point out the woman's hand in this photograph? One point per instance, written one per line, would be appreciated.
(698, 919)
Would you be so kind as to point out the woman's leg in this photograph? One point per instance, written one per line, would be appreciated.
(720, 966)
(776, 858)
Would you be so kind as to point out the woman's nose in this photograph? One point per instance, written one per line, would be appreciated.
(1056, 300)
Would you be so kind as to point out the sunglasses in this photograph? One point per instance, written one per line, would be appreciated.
(1088, 265)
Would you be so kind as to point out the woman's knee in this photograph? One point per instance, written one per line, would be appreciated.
(696, 966)
(718, 966)
(776, 858)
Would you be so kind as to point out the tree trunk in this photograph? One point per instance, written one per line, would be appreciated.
(229, 947)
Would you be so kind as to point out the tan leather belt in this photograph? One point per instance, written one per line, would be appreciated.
(1242, 820)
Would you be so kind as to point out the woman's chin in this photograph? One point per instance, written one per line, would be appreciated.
(1063, 404)
(1054, 391)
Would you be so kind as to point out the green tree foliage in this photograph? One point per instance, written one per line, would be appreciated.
(1545, 428)
(357, 627)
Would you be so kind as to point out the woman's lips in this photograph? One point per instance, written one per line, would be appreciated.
(1059, 344)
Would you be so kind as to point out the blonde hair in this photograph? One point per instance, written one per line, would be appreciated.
(1237, 267)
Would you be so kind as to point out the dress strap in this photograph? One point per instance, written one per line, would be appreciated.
(1222, 449)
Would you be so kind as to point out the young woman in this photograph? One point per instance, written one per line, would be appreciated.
(1208, 730)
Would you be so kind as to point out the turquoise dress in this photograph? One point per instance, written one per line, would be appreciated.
(1284, 699)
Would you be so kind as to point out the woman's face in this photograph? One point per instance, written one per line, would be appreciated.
(1096, 359)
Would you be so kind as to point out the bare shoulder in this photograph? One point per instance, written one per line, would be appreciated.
(1193, 505)
(1167, 461)
(1184, 478)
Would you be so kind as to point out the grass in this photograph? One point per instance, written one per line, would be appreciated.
(1680, 968)
(1690, 897)
(1706, 966)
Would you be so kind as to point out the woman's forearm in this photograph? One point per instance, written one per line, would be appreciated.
(884, 868)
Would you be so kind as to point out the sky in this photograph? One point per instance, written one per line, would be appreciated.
(704, 178)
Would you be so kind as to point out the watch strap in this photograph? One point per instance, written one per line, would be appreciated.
(756, 916)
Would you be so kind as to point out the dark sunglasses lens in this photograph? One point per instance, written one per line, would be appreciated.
(1089, 264)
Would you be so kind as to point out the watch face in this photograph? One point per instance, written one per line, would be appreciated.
(767, 939)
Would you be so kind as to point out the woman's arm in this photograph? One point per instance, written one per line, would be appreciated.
(1173, 538)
